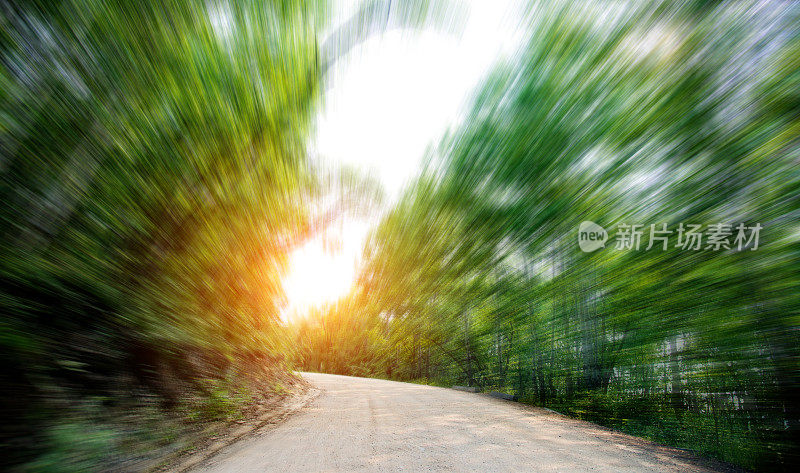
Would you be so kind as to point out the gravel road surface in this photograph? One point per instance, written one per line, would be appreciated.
(371, 425)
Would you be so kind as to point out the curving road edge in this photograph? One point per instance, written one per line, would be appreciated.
(373, 425)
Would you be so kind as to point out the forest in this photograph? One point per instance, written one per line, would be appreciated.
(155, 175)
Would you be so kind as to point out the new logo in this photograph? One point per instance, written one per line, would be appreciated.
(591, 236)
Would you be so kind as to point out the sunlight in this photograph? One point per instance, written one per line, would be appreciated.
(324, 269)
(317, 276)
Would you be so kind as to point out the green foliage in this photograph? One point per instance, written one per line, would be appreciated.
(143, 163)
(154, 179)
(221, 401)
(339, 339)
(74, 446)
(637, 113)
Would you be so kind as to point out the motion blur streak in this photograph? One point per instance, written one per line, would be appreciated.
(615, 112)
(155, 180)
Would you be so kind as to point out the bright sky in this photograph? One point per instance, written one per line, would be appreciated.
(386, 102)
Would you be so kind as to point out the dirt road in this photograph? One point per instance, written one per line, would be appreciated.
(370, 425)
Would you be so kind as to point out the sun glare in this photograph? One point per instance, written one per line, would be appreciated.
(320, 273)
